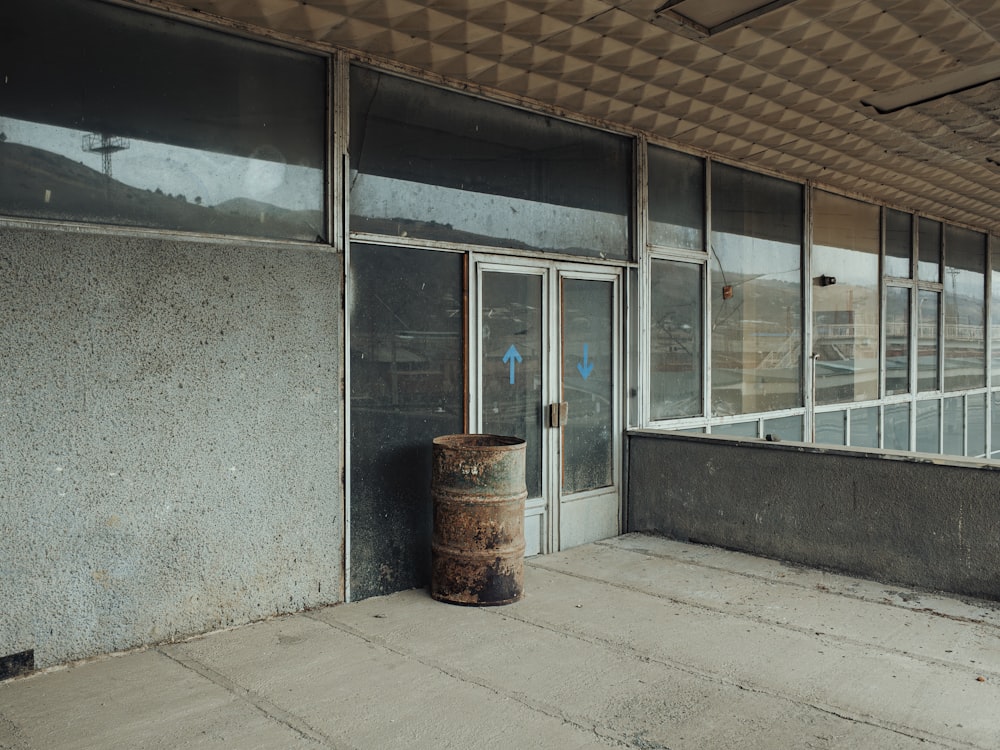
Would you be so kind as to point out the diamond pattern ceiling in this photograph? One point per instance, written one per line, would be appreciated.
(781, 92)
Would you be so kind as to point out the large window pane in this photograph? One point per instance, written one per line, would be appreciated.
(676, 199)
(117, 116)
(756, 247)
(407, 387)
(898, 244)
(964, 309)
(927, 341)
(896, 427)
(897, 340)
(929, 265)
(441, 165)
(845, 314)
(929, 426)
(676, 356)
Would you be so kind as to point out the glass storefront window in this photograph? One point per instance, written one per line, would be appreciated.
(756, 249)
(975, 425)
(896, 427)
(441, 165)
(929, 426)
(864, 427)
(784, 428)
(964, 309)
(929, 256)
(995, 309)
(954, 426)
(676, 199)
(407, 387)
(846, 313)
(122, 117)
(897, 340)
(831, 427)
(927, 341)
(898, 244)
(676, 352)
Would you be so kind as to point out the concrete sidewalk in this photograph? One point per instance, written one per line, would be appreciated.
(634, 642)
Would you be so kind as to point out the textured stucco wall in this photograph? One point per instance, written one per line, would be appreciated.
(922, 522)
(170, 440)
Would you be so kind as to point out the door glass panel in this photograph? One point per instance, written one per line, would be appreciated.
(675, 358)
(511, 364)
(407, 387)
(897, 340)
(587, 367)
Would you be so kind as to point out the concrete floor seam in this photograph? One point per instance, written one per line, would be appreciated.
(582, 723)
(829, 638)
(270, 710)
(714, 678)
(885, 602)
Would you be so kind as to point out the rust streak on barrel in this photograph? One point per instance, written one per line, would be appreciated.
(477, 550)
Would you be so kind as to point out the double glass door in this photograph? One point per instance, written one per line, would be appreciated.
(545, 362)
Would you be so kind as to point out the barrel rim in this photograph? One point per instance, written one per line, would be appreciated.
(474, 441)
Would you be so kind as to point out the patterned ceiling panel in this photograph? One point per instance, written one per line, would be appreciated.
(781, 92)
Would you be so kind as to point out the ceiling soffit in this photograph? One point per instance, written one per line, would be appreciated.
(781, 92)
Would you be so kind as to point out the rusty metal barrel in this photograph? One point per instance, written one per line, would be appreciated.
(477, 549)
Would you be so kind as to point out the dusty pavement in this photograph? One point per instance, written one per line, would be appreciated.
(635, 642)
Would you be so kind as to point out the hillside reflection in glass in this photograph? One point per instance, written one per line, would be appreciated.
(118, 117)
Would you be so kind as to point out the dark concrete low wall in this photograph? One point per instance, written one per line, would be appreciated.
(924, 522)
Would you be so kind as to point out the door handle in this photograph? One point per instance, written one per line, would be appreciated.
(558, 413)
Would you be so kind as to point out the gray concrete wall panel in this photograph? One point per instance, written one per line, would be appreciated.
(933, 523)
(170, 443)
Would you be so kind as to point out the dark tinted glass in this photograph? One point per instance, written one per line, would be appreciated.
(116, 116)
(898, 243)
(676, 199)
(407, 387)
(445, 166)
(964, 309)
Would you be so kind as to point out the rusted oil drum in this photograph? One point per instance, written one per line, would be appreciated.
(477, 550)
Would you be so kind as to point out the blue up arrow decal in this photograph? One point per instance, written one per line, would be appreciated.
(586, 367)
(512, 356)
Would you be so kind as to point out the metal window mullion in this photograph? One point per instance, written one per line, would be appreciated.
(706, 291)
(807, 360)
(641, 192)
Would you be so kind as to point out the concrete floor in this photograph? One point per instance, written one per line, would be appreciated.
(635, 642)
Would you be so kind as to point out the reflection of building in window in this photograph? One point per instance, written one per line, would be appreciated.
(105, 145)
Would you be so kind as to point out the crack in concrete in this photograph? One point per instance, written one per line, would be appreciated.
(263, 705)
(867, 720)
(554, 712)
